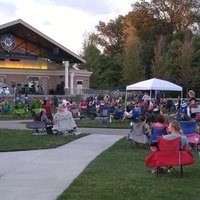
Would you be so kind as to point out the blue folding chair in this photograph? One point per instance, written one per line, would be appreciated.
(136, 114)
(188, 127)
(157, 132)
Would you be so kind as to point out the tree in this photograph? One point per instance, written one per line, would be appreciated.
(147, 41)
(162, 18)
(109, 39)
(133, 69)
(196, 61)
(110, 36)
(159, 67)
(174, 50)
(93, 58)
(188, 73)
(176, 15)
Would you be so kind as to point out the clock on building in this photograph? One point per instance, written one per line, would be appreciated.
(8, 42)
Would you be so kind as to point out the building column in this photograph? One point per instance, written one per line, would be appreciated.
(72, 83)
(66, 65)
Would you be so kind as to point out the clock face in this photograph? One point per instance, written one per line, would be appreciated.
(8, 42)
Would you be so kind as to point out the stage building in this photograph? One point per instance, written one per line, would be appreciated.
(33, 62)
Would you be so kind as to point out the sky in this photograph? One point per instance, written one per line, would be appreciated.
(65, 21)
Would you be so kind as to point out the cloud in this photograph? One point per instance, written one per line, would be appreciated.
(93, 7)
(65, 21)
(7, 9)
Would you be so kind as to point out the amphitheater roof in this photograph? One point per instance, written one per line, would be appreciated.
(35, 43)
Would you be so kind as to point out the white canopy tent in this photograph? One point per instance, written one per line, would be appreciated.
(154, 84)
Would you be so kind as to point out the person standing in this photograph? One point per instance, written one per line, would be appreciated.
(192, 103)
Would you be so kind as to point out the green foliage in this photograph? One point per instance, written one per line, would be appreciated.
(149, 41)
(105, 63)
(133, 68)
(159, 67)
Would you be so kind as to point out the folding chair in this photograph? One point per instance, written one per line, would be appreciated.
(188, 128)
(118, 115)
(104, 116)
(136, 134)
(38, 127)
(136, 114)
(157, 132)
(169, 154)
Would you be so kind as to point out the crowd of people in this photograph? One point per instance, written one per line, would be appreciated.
(91, 107)
(59, 113)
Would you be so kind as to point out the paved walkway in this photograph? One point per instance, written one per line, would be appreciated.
(21, 124)
(45, 174)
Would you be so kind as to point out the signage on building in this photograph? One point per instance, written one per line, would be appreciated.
(8, 42)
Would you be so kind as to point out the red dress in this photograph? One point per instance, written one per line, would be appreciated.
(47, 106)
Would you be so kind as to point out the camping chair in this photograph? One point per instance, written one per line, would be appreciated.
(188, 128)
(88, 113)
(118, 115)
(104, 116)
(136, 114)
(136, 134)
(38, 127)
(157, 132)
(19, 110)
(6, 107)
(169, 154)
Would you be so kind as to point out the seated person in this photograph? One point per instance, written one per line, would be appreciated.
(47, 121)
(159, 128)
(44, 117)
(130, 106)
(36, 116)
(5, 106)
(118, 113)
(147, 130)
(174, 130)
(63, 120)
(48, 107)
(133, 114)
(166, 116)
(185, 117)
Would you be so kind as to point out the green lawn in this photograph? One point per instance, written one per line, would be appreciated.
(16, 140)
(120, 174)
(97, 123)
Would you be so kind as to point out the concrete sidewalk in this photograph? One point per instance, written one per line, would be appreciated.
(21, 124)
(45, 174)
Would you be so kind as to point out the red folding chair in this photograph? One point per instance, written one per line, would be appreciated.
(169, 155)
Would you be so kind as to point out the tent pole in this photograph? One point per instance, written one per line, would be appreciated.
(181, 95)
(125, 100)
